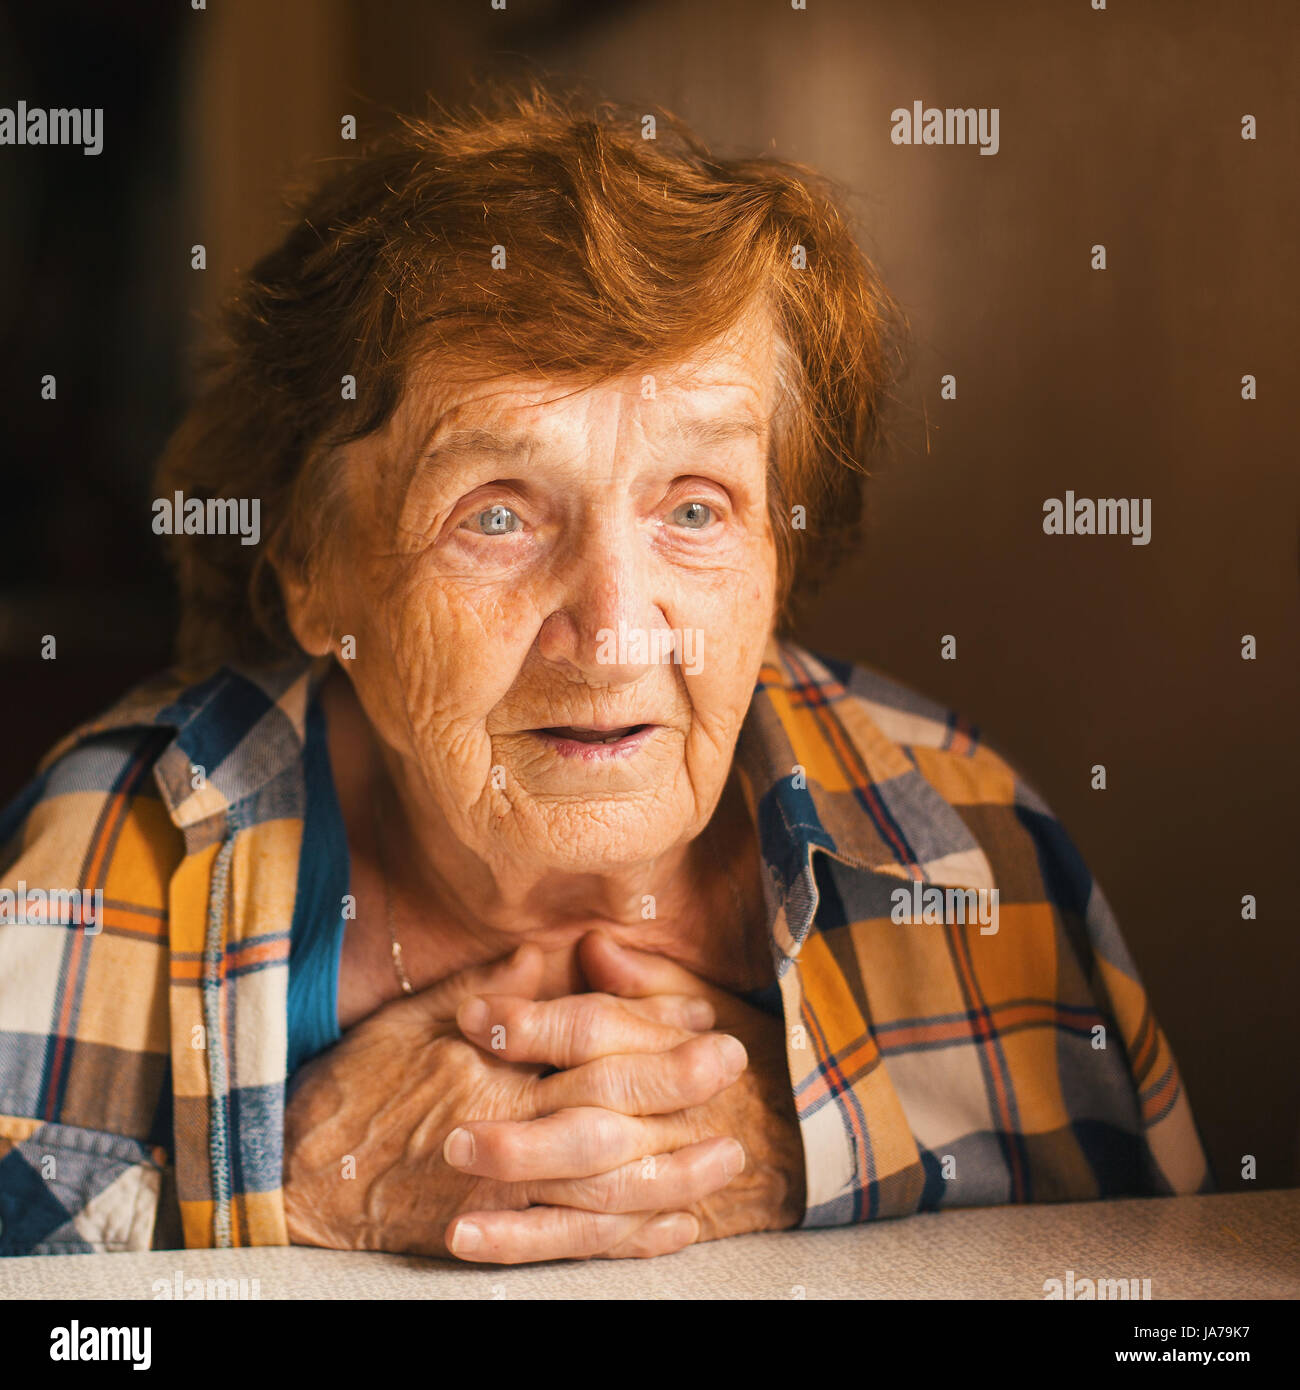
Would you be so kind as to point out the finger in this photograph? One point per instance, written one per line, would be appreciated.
(666, 1233)
(629, 975)
(575, 1143)
(561, 1032)
(695, 1015)
(637, 1083)
(519, 973)
(620, 970)
(656, 1182)
(563, 1233)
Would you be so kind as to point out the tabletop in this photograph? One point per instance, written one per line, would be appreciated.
(1230, 1245)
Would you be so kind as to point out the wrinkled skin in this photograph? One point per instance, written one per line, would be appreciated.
(489, 542)
(400, 1082)
(467, 642)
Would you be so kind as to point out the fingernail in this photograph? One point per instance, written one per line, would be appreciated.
(699, 1015)
(732, 1053)
(473, 1015)
(467, 1237)
(458, 1148)
(733, 1159)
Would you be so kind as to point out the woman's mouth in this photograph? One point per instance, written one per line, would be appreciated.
(572, 741)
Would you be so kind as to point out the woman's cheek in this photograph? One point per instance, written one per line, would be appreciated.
(494, 623)
(728, 605)
(470, 641)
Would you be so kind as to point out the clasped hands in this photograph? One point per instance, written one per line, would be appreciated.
(475, 1120)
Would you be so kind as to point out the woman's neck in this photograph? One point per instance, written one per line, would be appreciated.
(700, 904)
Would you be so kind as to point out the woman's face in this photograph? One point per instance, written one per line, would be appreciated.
(527, 568)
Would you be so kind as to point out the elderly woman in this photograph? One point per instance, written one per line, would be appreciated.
(495, 875)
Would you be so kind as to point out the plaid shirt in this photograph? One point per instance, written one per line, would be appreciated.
(935, 1063)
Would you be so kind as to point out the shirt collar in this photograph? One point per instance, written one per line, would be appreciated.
(234, 733)
(821, 773)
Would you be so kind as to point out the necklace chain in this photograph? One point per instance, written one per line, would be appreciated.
(399, 965)
(395, 946)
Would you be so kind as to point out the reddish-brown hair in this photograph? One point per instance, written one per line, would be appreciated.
(621, 252)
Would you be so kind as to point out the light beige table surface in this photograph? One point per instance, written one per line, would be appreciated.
(1240, 1245)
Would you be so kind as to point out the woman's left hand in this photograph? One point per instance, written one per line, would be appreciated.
(757, 1109)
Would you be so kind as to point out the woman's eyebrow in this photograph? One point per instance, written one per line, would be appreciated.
(721, 431)
(478, 440)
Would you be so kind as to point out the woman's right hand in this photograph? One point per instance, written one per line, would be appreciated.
(367, 1120)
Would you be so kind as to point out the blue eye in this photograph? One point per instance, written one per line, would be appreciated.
(495, 521)
(695, 515)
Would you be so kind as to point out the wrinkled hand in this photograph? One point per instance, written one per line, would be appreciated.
(369, 1128)
(598, 1031)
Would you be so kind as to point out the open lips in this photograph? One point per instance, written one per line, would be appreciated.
(594, 735)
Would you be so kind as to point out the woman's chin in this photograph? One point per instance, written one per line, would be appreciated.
(598, 838)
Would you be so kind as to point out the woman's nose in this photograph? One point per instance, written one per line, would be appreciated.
(606, 621)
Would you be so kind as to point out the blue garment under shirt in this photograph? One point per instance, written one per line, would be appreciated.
(316, 935)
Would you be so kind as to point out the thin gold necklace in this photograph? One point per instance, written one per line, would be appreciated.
(399, 966)
(395, 946)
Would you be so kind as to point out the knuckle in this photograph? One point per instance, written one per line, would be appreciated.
(455, 1052)
(668, 1013)
(586, 1230)
(699, 1072)
(503, 1153)
(600, 1194)
(652, 1183)
(599, 1134)
(686, 1127)
(633, 1186)
(635, 1247)
(582, 1023)
(658, 1236)
(616, 1083)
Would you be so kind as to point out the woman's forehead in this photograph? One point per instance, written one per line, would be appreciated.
(724, 392)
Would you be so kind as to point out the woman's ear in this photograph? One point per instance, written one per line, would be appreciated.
(307, 605)
(303, 553)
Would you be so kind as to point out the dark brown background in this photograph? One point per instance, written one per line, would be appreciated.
(1120, 127)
